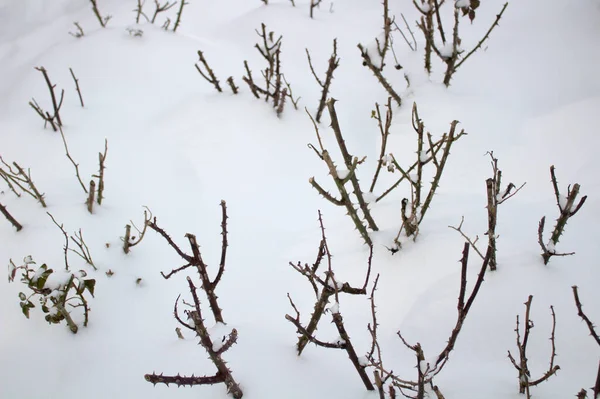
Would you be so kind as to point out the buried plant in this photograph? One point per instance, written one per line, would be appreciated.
(130, 240)
(413, 211)
(449, 51)
(525, 381)
(341, 177)
(95, 193)
(566, 206)
(17, 177)
(210, 77)
(426, 370)
(495, 197)
(53, 119)
(333, 63)
(214, 348)
(326, 287)
(273, 90)
(374, 55)
(57, 292)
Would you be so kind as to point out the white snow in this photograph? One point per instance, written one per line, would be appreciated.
(178, 146)
(335, 308)
(342, 173)
(462, 3)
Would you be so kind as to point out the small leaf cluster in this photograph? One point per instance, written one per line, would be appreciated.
(56, 292)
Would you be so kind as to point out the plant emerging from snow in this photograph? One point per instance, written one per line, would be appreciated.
(57, 292)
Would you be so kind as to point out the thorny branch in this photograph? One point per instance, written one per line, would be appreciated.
(522, 365)
(214, 350)
(565, 206)
(329, 287)
(196, 260)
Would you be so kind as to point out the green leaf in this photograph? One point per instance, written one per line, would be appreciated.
(45, 309)
(90, 284)
(41, 281)
(25, 306)
(22, 296)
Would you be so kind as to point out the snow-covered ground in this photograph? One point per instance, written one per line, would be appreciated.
(531, 95)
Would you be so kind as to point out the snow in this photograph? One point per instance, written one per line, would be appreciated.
(562, 201)
(342, 173)
(335, 308)
(178, 146)
(462, 3)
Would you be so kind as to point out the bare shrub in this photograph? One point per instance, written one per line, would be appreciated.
(325, 288)
(522, 366)
(214, 346)
(566, 206)
(426, 370)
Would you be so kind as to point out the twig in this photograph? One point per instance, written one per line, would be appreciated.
(10, 218)
(182, 4)
(77, 87)
(102, 20)
(522, 366)
(84, 251)
(567, 209)
(333, 63)
(211, 78)
(161, 8)
(76, 165)
(376, 71)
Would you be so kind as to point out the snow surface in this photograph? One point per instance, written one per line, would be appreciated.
(179, 147)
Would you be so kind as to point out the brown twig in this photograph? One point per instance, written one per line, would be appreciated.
(522, 366)
(182, 4)
(567, 209)
(195, 260)
(333, 63)
(20, 179)
(103, 20)
(77, 87)
(223, 374)
(377, 72)
(10, 218)
(211, 78)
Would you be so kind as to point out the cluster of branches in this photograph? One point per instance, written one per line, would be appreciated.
(95, 193)
(448, 46)
(276, 88)
(566, 206)
(274, 79)
(374, 58)
(131, 240)
(325, 287)
(525, 380)
(215, 349)
(341, 177)
(332, 64)
(413, 211)
(426, 371)
(496, 196)
(49, 118)
(160, 8)
(54, 118)
(17, 179)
